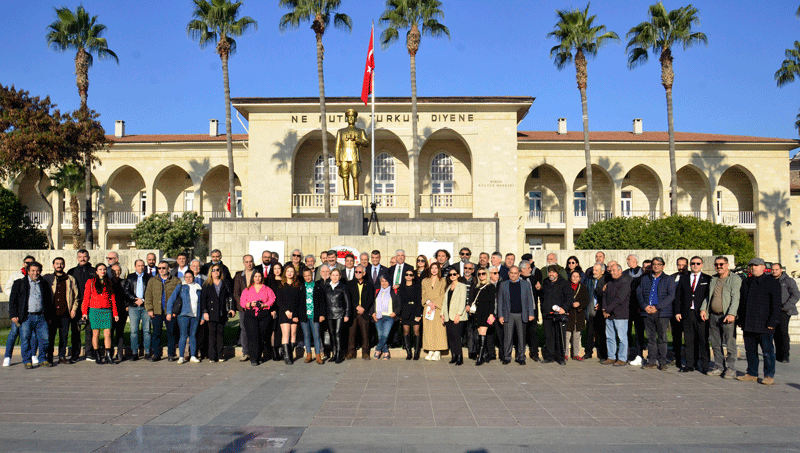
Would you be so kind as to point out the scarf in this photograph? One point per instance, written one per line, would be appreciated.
(383, 302)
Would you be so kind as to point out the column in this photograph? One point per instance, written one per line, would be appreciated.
(569, 218)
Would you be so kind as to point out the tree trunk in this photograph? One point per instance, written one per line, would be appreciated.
(82, 76)
(414, 154)
(323, 124)
(49, 227)
(588, 156)
(673, 171)
(82, 80)
(89, 240)
(75, 208)
(228, 135)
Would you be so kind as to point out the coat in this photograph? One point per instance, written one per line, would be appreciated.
(337, 301)
(216, 306)
(182, 292)
(130, 287)
(731, 292)
(666, 294)
(152, 295)
(577, 316)
(555, 293)
(73, 302)
(18, 300)
(684, 295)
(526, 299)
(789, 294)
(394, 304)
(367, 297)
(617, 297)
(457, 305)
(760, 304)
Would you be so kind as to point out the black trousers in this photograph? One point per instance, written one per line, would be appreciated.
(490, 343)
(202, 341)
(472, 336)
(61, 325)
(781, 337)
(636, 322)
(499, 340)
(553, 340)
(677, 340)
(216, 343)
(259, 330)
(336, 329)
(118, 331)
(656, 338)
(453, 332)
(596, 336)
(695, 333)
(75, 337)
(532, 334)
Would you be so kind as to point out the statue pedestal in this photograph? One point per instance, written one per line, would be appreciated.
(351, 218)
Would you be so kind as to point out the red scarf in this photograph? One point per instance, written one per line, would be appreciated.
(574, 286)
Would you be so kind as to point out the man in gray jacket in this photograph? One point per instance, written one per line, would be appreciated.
(720, 309)
(789, 297)
(515, 308)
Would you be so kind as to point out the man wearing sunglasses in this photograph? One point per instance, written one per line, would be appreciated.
(159, 289)
(720, 311)
(693, 292)
(465, 254)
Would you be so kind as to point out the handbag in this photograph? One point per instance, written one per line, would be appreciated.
(177, 306)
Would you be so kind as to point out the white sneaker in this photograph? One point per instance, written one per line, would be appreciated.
(637, 361)
(7, 361)
(430, 354)
(194, 360)
(181, 360)
(35, 360)
(436, 355)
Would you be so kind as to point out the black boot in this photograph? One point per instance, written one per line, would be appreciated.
(453, 359)
(417, 346)
(109, 359)
(481, 351)
(120, 351)
(460, 359)
(97, 357)
(276, 353)
(292, 351)
(407, 346)
(286, 357)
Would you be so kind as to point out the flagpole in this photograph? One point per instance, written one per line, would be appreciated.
(372, 39)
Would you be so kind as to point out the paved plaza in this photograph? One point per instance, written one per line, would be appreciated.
(396, 405)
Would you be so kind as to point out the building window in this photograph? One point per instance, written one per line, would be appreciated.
(384, 179)
(143, 202)
(238, 203)
(319, 175)
(719, 201)
(442, 180)
(188, 201)
(626, 204)
(535, 201)
(580, 204)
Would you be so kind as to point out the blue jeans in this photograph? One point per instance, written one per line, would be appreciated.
(617, 329)
(35, 326)
(140, 314)
(384, 325)
(155, 342)
(751, 343)
(188, 327)
(311, 331)
(12, 340)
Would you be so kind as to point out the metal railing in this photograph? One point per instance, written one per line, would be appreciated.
(446, 201)
(66, 220)
(545, 217)
(596, 215)
(651, 215)
(737, 218)
(120, 219)
(698, 214)
(39, 219)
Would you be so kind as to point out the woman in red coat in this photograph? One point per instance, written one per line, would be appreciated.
(99, 304)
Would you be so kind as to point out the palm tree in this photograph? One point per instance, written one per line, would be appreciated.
(318, 12)
(420, 17)
(80, 32)
(70, 178)
(790, 68)
(575, 32)
(216, 22)
(659, 34)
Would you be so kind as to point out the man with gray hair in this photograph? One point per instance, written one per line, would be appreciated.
(216, 258)
(399, 269)
(533, 276)
(789, 298)
(514, 311)
(720, 309)
(552, 260)
(616, 298)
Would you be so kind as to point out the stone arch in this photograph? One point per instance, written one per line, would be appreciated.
(736, 192)
(123, 190)
(602, 193)
(214, 189)
(25, 185)
(549, 183)
(646, 188)
(169, 188)
(453, 144)
(693, 189)
(304, 155)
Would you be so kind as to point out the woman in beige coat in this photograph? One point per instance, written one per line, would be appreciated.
(434, 337)
(454, 314)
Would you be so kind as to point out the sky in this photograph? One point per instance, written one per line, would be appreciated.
(166, 84)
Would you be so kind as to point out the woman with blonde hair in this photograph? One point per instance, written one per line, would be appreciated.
(434, 336)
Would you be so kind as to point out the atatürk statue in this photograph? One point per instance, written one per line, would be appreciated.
(348, 140)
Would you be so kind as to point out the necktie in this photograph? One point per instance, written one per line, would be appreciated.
(374, 273)
(397, 275)
(694, 282)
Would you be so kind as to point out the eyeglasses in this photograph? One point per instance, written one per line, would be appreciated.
(481, 273)
(420, 260)
(453, 275)
(162, 268)
(696, 263)
(359, 272)
(571, 262)
(299, 256)
(465, 254)
(411, 274)
(469, 268)
(719, 264)
(494, 272)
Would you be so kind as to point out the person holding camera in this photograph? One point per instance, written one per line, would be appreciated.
(216, 304)
(184, 305)
(257, 300)
(556, 298)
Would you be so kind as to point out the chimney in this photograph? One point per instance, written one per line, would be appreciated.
(213, 128)
(119, 129)
(637, 126)
(562, 126)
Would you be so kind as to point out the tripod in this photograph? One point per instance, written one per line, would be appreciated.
(373, 220)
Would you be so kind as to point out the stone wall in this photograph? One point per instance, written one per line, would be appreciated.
(233, 236)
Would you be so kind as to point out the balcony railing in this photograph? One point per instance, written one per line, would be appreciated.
(597, 216)
(39, 219)
(446, 202)
(545, 218)
(307, 203)
(740, 218)
(650, 215)
(66, 219)
(217, 215)
(123, 219)
(698, 214)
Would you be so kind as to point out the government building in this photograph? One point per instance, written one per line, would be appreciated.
(480, 178)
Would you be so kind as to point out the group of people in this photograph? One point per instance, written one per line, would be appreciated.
(494, 305)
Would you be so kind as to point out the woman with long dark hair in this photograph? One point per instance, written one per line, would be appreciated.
(454, 314)
(101, 304)
(288, 304)
(434, 338)
(257, 300)
(421, 270)
(574, 265)
(338, 311)
(386, 308)
(217, 305)
(274, 281)
(410, 295)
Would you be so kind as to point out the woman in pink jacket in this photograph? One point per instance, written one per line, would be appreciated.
(257, 301)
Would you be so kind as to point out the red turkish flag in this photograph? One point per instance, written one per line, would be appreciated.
(228, 204)
(366, 87)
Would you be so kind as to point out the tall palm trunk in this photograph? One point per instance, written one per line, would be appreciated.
(82, 76)
(324, 129)
(49, 226)
(412, 156)
(74, 208)
(667, 80)
(581, 75)
(228, 135)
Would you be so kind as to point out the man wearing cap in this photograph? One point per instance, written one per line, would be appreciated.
(348, 139)
(759, 314)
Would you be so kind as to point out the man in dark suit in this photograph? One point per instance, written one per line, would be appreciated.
(693, 291)
(399, 269)
(507, 265)
(515, 309)
(758, 315)
(675, 326)
(349, 268)
(30, 306)
(266, 264)
(465, 254)
(362, 295)
(374, 270)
